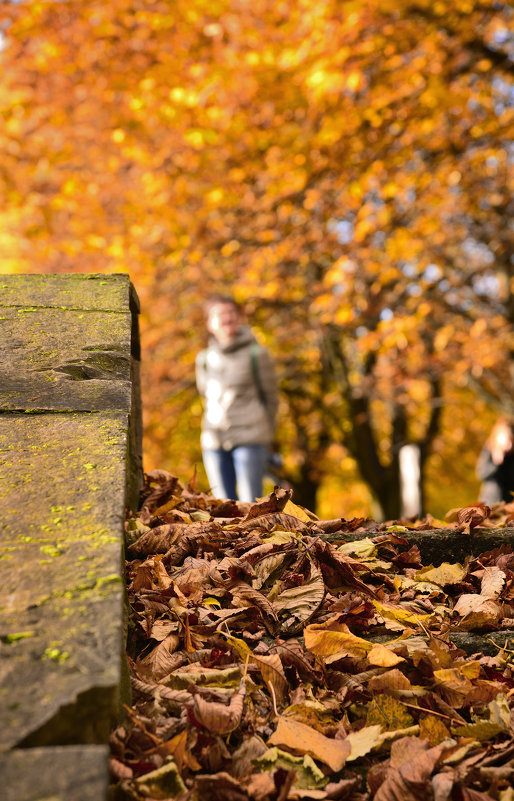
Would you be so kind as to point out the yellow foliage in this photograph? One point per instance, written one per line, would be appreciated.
(389, 713)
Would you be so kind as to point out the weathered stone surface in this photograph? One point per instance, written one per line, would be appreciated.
(472, 642)
(443, 545)
(62, 359)
(61, 585)
(485, 642)
(71, 342)
(70, 462)
(69, 773)
(68, 291)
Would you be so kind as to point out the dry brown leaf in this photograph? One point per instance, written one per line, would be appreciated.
(119, 770)
(442, 785)
(251, 748)
(468, 794)
(215, 569)
(268, 565)
(220, 787)
(274, 502)
(244, 595)
(217, 717)
(162, 628)
(493, 580)
(477, 612)
(301, 602)
(162, 660)
(460, 686)
(412, 763)
(159, 539)
(260, 786)
(392, 680)
(273, 675)
(472, 516)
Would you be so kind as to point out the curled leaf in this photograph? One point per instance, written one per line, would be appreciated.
(217, 717)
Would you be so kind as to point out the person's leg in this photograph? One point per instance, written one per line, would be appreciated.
(249, 464)
(220, 473)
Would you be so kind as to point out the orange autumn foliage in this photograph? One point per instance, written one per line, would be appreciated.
(345, 165)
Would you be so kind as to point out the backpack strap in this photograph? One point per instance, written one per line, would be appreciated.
(203, 354)
(254, 350)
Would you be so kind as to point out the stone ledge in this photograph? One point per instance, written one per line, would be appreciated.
(69, 291)
(70, 459)
(61, 573)
(67, 773)
(61, 359)
(441, 545)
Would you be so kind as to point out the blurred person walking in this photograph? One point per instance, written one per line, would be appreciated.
(235, 376)
(495, 466)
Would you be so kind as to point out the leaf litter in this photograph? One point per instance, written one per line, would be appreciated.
(270, 660)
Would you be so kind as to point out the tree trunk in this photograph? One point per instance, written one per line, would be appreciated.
(305, 491)
(388, 494)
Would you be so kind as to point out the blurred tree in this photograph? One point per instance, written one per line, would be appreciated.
(347, 165)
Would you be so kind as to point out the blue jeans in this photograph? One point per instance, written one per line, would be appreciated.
(243, 467)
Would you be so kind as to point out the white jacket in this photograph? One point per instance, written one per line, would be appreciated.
(234, 414)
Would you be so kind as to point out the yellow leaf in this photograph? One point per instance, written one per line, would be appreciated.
(306, 740)
(433, 730)
(212, 602)
(167, 507)
(382, 656)
(239, 646)
(337, 642)
(389, 713)
(278, 537)
(177, 747)
(482, 730)
(454, 677)
(362, 549)
(354, 81)
(397, 617)
(362, 741)
(158, 782)
(299, 512)
(445, 574)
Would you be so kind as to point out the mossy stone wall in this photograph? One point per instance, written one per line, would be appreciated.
(70, 465)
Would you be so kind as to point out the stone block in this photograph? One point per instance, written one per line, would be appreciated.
(68, 291)
(70, 464)
(69, 773)
(443, 545)
(65, 359)
(61, 575)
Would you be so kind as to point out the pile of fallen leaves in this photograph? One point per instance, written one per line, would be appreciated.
(271, 659)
